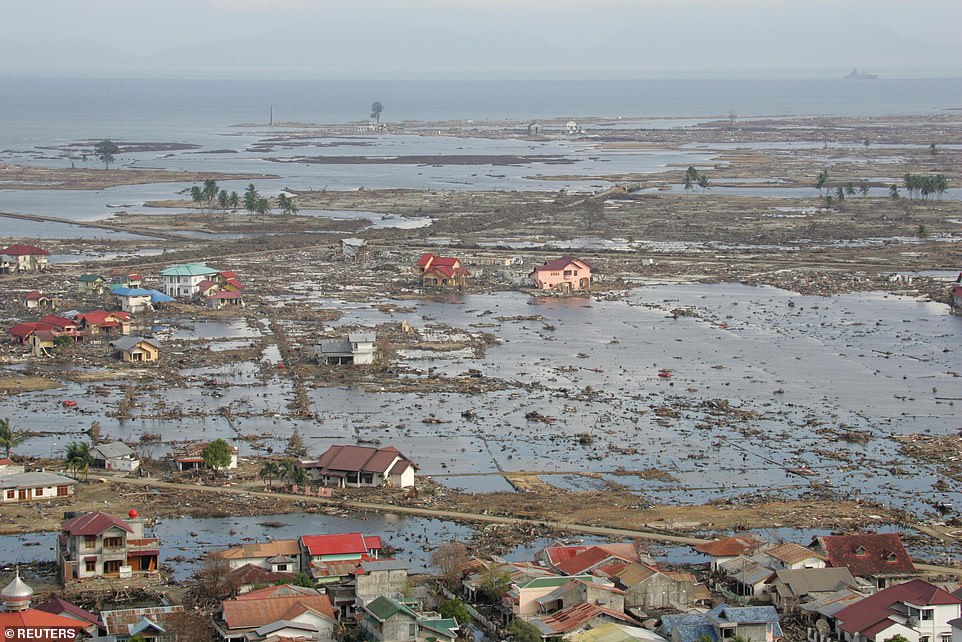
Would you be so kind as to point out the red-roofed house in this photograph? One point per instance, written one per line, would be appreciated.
(880, 557)
(577, 618)
(283, 611)
(67, 609)
(917, 610)
(343, 466)
(553, 556)
(49, 627)
(102, 545)
(106, 323)
(37, 300)
(22, 258)
(566, 274)
(338, 547)
(22, 331)
(587, 560)
(440, 271)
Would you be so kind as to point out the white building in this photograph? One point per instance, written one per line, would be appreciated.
(357, 349)
(184, 280)
(917, 610)
(25, 487)
(115, 456)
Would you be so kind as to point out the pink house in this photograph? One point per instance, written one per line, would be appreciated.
(566, 274)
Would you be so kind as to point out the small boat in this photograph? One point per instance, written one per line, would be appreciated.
(69, 403)
(665, 374)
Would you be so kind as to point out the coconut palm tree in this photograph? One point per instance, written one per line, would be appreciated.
(270, 470)
(820, 179)
(233, 200)
(210, 192)
(79, 458)
(376, 109)
(250, 199)
(9, 438)
(223, 199)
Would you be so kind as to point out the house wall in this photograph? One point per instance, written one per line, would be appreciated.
(527, 600)
(134, 304)
(755, 632)
(956, 633)
(47, 492)
(571, 277)
(125, 464)
(363, 353)
(325, 627)
(404, 480)
(659, 590)
(397, 628)
(370, 586)
(182, 286)
(78, 552)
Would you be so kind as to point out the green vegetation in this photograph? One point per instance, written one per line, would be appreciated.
(521, 631)
(216, 455)
(455, 608)
(9, 438)
(924, 186)
(79, 458)
(376, 109)
(105, 151)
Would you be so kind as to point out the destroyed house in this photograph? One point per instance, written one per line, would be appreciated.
(149, 623)
(357, 349)
(277, 612)
(23, 258)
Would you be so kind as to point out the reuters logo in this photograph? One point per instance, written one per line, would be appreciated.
(39, 633)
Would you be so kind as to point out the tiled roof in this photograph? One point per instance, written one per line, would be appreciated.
(36, 618)
(868, 554)
(815, 580)
(357, 459)
(554, 555)
(575, 617)
(557, 265)
(123, 621)
(58, 606)
(58, 322)
(340, 544)
(33, 295)
(225, 294)
(93, 524)
(729, 546)
(19, 249)
(111, 450)
(126, 343)
(792, 553)
(253, 574)
(23, 330)
(258, 608)
(874, 610)
(101, 317)
(262, 549)
(584, 561)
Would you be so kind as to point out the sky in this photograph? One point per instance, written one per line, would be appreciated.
(496, 38)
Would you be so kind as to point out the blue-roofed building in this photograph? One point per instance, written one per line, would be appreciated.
(750, 623)
(133, 300)
(156, 296)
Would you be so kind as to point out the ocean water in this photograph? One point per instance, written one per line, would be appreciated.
(51, 109)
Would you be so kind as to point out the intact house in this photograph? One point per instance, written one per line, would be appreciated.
(343, 466)
(224, 299)
(18, 487)
(152, 623)
(115, 456)
(250, 578)
(440, 271)
(126, 279)
(23, 258)
(277, 612)
(583, 590)
(389, 620)
(191, 457)
(37, 300)
(328, 558)
(57, 606)
(374, 578)
(184, 280)
(133, 300)
(102, 545)
(750, 623)
(567, 274)
(917, 610)
(357, 349)
(523, 598)
(137, 349)
(91, 284)
(42, 336)
(878, 557)
(101, 322)
(790, 555)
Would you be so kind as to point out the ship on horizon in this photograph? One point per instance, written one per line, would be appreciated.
(861, 75)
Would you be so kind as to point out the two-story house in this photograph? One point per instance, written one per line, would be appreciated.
(917, 610)
(792, 556)
(277, 556)
(566, 274)
(102, 545)
(325, 556)
(275, 612)
(23, 258)
(878, 557)
(184, 280)
(440, 271)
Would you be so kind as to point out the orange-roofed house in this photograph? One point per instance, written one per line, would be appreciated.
(792, 556)
(23, 258)
(267, 555)
(440, 271)
(16, 617)
(567, 274)
(37, 300)
(276, 612)
(723, 550)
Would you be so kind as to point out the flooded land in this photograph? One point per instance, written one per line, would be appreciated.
(764, 350)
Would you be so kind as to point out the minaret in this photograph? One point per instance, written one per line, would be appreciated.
(16, 596)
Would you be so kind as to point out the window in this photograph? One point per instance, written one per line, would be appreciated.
(61, 491)
(11, 494)
(113, 542)
(38, 492)
(926, 614)
(924, 638)
(412, 629)
(90, 566)
(90, 541)
(946, 637)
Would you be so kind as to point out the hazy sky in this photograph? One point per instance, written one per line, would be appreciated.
(382, 38)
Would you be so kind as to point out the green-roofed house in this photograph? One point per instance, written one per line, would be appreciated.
(91, 284)
(184, 280)
(389, 620)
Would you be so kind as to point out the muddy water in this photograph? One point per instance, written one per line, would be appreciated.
(805, 366)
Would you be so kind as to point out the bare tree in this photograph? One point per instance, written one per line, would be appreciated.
(190, 626)
(451, 558)
(215, 582)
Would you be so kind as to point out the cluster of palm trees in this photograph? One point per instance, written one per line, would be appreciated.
(924, 186)
(209, 195)
(285, 470)
(79, 458)
(694, 177)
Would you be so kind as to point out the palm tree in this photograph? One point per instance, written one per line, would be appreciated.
(197, 195)
(234, 201)
(850, 189)
(703, 182)
(223, 199)
(290, 471)
(270, 470)
(941, 183)
(79, 458)
(262, 206)
(820, 179)
(691, 177)
(893, 190)
(10, 439)
(376, 109)
(210, 192)
(863, 188)
(250, 199)
(286, 204)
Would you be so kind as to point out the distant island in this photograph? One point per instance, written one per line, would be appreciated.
(861, 75)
